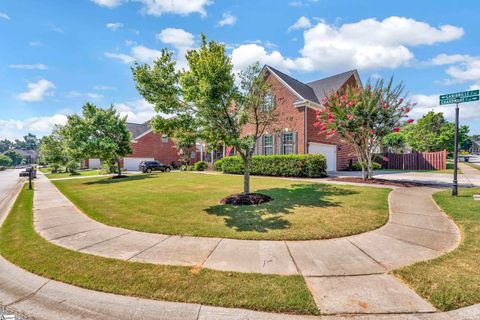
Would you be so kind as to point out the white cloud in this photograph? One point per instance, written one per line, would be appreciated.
(37, 66)
(183, 7)
(36, 91)
(124, 58)
(248, 54)
(302, 23)
(103, 88)
(14, 129)
(108, 3)
(137, 111)
(462, 68)
(227, 20)
(88, 95)
(367, 44)
(35, 43)
(301, 3)
(426, 103)
(138, 53)
(178, 38)
(114, 26)
(4, 16)
(55, 28)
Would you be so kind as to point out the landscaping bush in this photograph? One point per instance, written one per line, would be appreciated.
(375, 166)
(293, 165)
(2, 168)
(72, 167)
(187, 167)
(200, 166)
(217, 165)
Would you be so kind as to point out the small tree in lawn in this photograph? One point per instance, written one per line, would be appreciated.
(100, 133)
(52, 150)
(203, 102)
(363, 117)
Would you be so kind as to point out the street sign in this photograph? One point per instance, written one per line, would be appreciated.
(460, 94)
(459, 100)
(456, 98)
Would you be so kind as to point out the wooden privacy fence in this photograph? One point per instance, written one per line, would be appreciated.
(415, 161)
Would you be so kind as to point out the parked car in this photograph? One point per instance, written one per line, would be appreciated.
(149, 166)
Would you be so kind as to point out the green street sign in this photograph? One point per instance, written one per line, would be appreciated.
(459, 100)
(459, 97)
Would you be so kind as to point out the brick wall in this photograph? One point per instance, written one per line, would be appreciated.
(151, 145)
(288, 116)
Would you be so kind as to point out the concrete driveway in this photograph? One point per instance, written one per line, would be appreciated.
(470, 178)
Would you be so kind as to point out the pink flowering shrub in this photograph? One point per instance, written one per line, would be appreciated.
(363, 116)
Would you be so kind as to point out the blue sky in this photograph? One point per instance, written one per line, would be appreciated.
(56, 55)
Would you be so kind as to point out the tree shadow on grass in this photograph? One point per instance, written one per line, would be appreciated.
(111, 180)
(271, 215)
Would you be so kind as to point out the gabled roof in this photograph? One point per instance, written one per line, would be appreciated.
(27, 153)
(138, 129)
(316, 90)
(331, 84)
(303, 91)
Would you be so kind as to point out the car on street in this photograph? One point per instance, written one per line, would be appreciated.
(149, 166)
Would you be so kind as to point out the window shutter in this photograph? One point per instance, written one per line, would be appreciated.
(281, 142)
(274, 142)
(295, 144)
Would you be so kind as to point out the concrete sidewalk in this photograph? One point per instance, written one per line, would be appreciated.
(338, 271)
(41, 298)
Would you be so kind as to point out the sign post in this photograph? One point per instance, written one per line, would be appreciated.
(457, 98)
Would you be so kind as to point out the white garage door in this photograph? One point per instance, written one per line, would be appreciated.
(94, 163)
(329, 152)
(131, 164)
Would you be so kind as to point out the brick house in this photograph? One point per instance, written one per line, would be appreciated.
(294, 131)
(146, 145)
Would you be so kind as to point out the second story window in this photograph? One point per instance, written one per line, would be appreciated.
(267, 144)
(164, 138)
(268, 102)
(288, 143)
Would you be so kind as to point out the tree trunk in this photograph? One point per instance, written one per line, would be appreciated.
(246, 174)
(119, 168)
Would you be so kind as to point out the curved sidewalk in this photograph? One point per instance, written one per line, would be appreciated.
(345, 275)
(417, 230)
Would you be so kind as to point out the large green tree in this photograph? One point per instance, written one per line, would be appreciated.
(363, 117)
(5, 145)
(433, 132)
(204, 102)
(5, 161)
(29, 142)
(16, 157)
(98, 133)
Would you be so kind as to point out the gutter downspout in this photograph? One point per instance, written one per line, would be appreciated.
(305, 131)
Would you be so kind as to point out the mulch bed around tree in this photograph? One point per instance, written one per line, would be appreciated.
(245, 199)
(119, 177)
(384, 182)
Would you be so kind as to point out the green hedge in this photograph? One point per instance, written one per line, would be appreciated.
(200, 166)
(217, 165)
(292, 165)
(375, 166)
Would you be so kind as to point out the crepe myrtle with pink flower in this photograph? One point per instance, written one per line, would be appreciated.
(362, 116)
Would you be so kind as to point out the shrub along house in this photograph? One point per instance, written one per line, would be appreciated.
(294, 132)
(146, 145)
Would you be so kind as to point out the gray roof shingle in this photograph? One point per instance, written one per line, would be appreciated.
(315, 90)
(138, 128)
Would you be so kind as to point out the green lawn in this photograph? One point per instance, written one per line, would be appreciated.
(68, 175)
(20, 244)
(473, 165)
(186, 203)
(453, 280)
